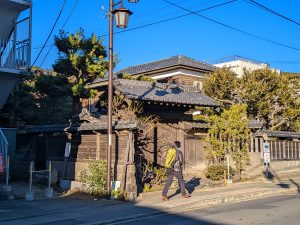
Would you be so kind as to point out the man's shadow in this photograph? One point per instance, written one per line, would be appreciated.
(189, 186)
(296, 184)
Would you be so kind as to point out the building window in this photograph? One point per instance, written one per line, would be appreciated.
(198, 84)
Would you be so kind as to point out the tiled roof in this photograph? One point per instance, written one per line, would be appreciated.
(178, 60)
(280, 134)
(118, 125)
(163, 92)
(100, 79)
(254, 124)
(46, 128)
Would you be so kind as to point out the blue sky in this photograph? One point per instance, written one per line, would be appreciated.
(191, 36)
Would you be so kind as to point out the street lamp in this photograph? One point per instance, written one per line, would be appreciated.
(121, 15)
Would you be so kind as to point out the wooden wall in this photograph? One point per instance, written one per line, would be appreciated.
(84, 148)
(164, 136)
(286, 150)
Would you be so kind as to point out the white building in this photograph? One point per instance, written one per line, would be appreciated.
(15, 44)
(15, 54)
(238, 64)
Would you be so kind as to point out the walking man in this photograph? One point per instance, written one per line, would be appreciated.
(174, 162)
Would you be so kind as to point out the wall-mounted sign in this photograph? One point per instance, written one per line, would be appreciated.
(67, 149)
(267, 157)
(266, 147)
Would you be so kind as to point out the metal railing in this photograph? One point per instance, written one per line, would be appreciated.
(14, 54)
(3, 148)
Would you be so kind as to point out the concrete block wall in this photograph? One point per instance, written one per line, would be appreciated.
(74, 169)
(277, 167)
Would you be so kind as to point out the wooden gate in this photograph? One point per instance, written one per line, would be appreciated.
(194, 152)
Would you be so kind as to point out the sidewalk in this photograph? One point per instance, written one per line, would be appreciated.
(218, 195)
(64, 211)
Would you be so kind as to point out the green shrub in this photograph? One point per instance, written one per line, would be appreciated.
(154, 177)
(94, 178)
(118, 194)
(216, 172)
(147, 187)
(159, 176)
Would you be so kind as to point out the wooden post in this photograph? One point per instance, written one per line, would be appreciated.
(131, 187)
(273, 143)
(295, 150)
(251, 142)
(131, 149)
(288, 149)
(181, 138)
(278, 143)
(123, 181)
(284, 153)
(97, 146)
(261, 142)
(256, 145)
(292, 149)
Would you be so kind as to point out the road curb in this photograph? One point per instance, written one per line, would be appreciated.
(202, 203)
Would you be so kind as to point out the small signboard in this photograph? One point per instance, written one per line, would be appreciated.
(266, 147)
(67, 149)
(267, 157)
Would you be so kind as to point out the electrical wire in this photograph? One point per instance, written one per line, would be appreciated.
(162, 21)
(233, 28)
(49, 35)
(169, 19)
(258, 5)
(65, 23)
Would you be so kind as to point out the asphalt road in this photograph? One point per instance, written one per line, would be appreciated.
(279, 210)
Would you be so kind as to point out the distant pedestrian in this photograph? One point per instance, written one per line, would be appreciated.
(173, 164)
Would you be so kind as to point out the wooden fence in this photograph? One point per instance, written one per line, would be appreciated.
(284, 150)
(279, 149)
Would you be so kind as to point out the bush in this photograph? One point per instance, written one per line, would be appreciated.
(118, 194)
(94, 178)
(216, 172)
(154, 177)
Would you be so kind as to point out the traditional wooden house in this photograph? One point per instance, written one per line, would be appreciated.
(177, 69)
(173, 96)
(174, 105)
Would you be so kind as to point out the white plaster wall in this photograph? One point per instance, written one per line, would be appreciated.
(238, 66)
(175, 72)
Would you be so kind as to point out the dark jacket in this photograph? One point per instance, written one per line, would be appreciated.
(178, 161)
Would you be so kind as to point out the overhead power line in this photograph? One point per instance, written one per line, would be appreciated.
(233, 28)
(169, 19)
(258, 5)
(49, 35)
(65, 23)
(161, 21)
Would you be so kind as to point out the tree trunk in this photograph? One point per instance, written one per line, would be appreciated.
(76, 104)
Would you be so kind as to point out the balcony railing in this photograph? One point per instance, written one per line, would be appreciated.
(3, 148)
(14, 54)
